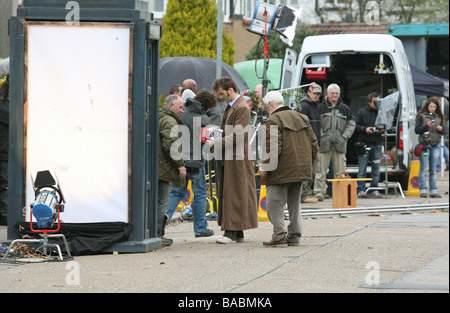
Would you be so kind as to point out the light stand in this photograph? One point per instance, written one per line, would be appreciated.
(45, 245)
(277, 17)
(49, 202)
(265, 82)
(262, 113)
(386, 182)
(262, 116)
(386, 108)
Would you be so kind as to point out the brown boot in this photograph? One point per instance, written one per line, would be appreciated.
(310, 200)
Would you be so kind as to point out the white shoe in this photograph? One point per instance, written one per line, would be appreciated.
(224, 240)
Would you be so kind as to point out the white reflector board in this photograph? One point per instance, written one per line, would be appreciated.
(77, 116)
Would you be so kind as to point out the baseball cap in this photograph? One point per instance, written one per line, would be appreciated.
(315, 88)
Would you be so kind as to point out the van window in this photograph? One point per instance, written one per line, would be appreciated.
(318, 60)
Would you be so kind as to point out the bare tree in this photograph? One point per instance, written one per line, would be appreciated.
(403, 11)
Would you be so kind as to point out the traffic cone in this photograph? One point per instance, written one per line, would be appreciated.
(187, 197)
(413, 181)
(262, 206)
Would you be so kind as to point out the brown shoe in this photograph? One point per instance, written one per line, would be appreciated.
(280, 243)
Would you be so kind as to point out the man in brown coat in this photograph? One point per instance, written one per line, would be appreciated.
(297, 150)
(238, 208)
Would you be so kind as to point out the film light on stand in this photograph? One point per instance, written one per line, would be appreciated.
(49, 200)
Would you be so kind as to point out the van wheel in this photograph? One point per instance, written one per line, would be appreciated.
(404, 180)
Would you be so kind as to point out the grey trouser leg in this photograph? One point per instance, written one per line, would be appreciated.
(307, 185)
(277, 197)
(163, 201)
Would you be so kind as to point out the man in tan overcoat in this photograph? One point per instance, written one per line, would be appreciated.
(238, 208)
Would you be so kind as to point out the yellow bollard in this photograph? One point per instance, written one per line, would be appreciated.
(413, 181)
(262, 206)
(187, 197)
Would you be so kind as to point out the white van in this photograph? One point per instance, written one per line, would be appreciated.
(361, 64)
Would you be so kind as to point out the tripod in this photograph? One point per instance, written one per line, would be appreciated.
(386, 182)
(44, 240)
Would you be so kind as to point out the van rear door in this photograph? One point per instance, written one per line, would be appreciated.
(288, 73)
(289, 65)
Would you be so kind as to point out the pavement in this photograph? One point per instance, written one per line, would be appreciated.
(388, 253)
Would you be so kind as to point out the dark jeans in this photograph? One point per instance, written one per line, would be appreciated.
(374, 156)
(177, 193)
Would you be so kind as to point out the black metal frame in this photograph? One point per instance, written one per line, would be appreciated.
(143, 179)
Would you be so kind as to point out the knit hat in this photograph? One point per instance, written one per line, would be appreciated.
(315, 88)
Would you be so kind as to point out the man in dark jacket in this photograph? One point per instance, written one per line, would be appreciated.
(4, 137)
(194, 118)
(372, 140)
(309, 106)
(296, 147)
(336, 126)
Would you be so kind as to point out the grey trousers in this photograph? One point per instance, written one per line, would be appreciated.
(307, 185)
(163, 202)
(277, 197)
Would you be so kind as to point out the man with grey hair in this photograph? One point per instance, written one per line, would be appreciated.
(297, 150)
(194, 118)
(336, 128)
(171, 167)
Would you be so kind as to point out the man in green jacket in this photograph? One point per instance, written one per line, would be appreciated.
(170, 160)
(336, 127)
(296, 152)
